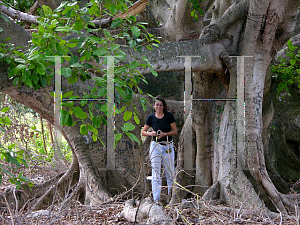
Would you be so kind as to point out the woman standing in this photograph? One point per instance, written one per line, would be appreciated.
(161, 147)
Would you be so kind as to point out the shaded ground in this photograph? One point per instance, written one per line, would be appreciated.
(76, 213)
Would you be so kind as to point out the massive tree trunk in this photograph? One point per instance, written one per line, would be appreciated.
(256, 28)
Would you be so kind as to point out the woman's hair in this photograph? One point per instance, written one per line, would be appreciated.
(161, 98)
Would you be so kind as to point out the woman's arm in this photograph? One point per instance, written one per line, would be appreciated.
(173, 129)
(170, 133)
(146, 133)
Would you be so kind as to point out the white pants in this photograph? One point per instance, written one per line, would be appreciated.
(161, 154)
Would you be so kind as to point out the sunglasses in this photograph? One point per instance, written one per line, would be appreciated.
(159, 105)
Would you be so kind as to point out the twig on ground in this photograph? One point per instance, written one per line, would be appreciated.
(9, 210)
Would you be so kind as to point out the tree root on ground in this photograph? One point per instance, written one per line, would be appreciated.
(145, 211)
(40, 196)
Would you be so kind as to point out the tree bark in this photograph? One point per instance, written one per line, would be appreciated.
(43, 135)
(202, 85)
(267, 14)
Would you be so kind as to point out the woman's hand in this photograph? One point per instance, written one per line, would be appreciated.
(152, 133)
(160, 134)
(146, 133)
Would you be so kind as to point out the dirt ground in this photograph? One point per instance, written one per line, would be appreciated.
(108, 213)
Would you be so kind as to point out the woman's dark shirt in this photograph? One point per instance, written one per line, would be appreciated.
(163, 124)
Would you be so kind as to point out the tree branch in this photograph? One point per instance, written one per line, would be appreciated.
(170, 56)
(135, 9)
(16, 14)
(34, 8)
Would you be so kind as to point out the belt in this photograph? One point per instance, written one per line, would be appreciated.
(164, 142)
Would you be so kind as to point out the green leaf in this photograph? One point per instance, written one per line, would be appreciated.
(73, 79)
(71, 45)
(66, 72)
(100, 51)
(43, 81)
(128, 127)
(19, 60)
(127, 115)
(5, 109)
(72, 3)
(143, 103)
(196, 17)
(61, 6)
(67, 94)
(16, 81)
(132, 137)
(6, 120)
(94, 137)
(116, 23)
(93, 10)
(66, 118)
(54, 22)
(33, 56)
(14, 161)
(5, 18)
(132, 43)
(134, 65)
(41, 68)
(135, 31)
(11, 146)
(63, 29)
(95, 39)
(95, 131)
(21, 67)
(7, 172)
(112, 8)
(78, 65)
(79, 25)
(136, 118)
(70, 122)
(90, 127)
(193, 13)
(118, 136)
(120, 91)
(79, 113)
(114, 47)
(293, 62)
(106, 33)
(117, 111)
(83, 130)
(291, 46)
(47, 9)
(97, 121)
(153, 72)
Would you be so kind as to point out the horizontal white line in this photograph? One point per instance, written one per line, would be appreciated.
(215, 99)
(80, 99)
